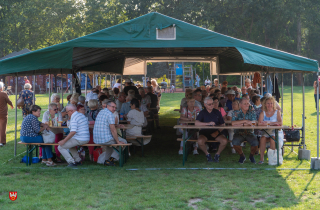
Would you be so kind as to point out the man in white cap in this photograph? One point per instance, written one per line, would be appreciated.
(230, 95)
(128, 86)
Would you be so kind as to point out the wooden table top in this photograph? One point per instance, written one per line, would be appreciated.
(126, 126)
(261, 127)
(176, 110)
(193, 121)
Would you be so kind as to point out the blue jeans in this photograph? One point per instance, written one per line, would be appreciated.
(46, 150)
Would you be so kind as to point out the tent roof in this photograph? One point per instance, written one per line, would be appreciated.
(116, 48)
(15, 53)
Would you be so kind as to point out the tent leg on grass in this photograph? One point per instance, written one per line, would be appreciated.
(315, 161)
(15, 119)
(303, 154)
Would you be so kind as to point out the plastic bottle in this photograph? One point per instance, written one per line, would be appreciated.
(56, 119)
(50, 121)
(121, 116)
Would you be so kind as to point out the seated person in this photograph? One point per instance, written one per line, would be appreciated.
(30, 131)
(186, 94)
(235, 107)
(105, 133)
(125, 108)
(153, 106)
(55, 98)
(216, 83)
(101, 98)
(210, 116)
(145, 99)
(188, 113)
(225, 84)
(116, 92)
(218, 107)
(93, 110)
(81, 109)
(271, 114)
(244, 117)
(51, 114)
(248, 83)
(244, 90)
(230, 97)
(136, 117)
(79, 135)
(120, 100)
(268, 95)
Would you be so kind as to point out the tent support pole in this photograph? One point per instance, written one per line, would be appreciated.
(261, 88)
(100, 80)
(15, 118)
(61, 85)
(282, 96)
(110, 81)
(304, 113)
(241, 81)
(85, 85)
(318, 116)
(145, 74)
(49, 87)
(121, 83)
(34, 88)
(291, 104)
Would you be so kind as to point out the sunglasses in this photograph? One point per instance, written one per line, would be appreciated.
(55, 110)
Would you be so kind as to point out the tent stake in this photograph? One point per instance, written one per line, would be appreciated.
(15, 118)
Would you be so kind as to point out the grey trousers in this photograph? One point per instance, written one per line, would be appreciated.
(110, 151)
(71, 145)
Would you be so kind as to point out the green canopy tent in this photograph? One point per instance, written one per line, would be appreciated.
(126, 48)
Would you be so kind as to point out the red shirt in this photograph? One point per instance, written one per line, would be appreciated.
(26, 81)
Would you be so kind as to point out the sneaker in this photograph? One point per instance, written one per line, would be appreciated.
(233, 151)
(216, 158)
(252, 159)
(109, 163)
(72, 165)
(180, 152)
(1, 145)
(79, 163)
(209, 158)
(50, 163)
(242, 159)
(195, 152)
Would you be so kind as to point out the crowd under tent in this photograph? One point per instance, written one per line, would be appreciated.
(126, 48)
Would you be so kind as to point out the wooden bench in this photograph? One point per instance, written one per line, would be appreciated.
(139, 140)
(123, 155)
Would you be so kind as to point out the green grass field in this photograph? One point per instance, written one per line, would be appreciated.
(160, 181)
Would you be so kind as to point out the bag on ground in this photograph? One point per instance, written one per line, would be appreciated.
(272, 157)
(48, 137)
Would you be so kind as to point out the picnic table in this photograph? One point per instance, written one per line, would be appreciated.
(193, 121)
(185, 138)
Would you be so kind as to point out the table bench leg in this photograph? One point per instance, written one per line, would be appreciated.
(141, 144)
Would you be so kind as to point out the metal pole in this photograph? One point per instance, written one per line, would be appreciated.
(49, 88)
(105, 80)
(85, 85)
(15, 119)
(241, 81)
(110, 81)
(34, 88)
(94, 80)
(100, 79)
(282, 95)
(318, 116)
(121, 82)
(61, 78)
(292, 104)
(261, 88)
(183, 84)
(304, 113)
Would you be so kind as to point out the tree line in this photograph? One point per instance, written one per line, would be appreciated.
(291, 26)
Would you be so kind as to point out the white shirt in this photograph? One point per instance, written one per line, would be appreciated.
(117, 85)
(79, 124)
(45, 118)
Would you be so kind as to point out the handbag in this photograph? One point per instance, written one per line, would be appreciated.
(292, 135)
(48, 137)
(20, 102)
(272, 157)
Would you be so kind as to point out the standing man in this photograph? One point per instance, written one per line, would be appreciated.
(315, 86)
(164, 85)
(128, 86)
(105, 132)
(211, 117)
(244, 117)
(79, 135)
(4, 102)
(121, 99)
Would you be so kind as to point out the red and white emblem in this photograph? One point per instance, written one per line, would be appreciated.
(13, 196)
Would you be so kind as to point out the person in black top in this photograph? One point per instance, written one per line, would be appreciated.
(128, 86)
(153, 106)
(211, 117)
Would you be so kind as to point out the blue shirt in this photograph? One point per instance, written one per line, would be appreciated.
(125, 108)
(239, 115)
(229, 104)
(30, 126)
(215, 116)
(101, 130)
